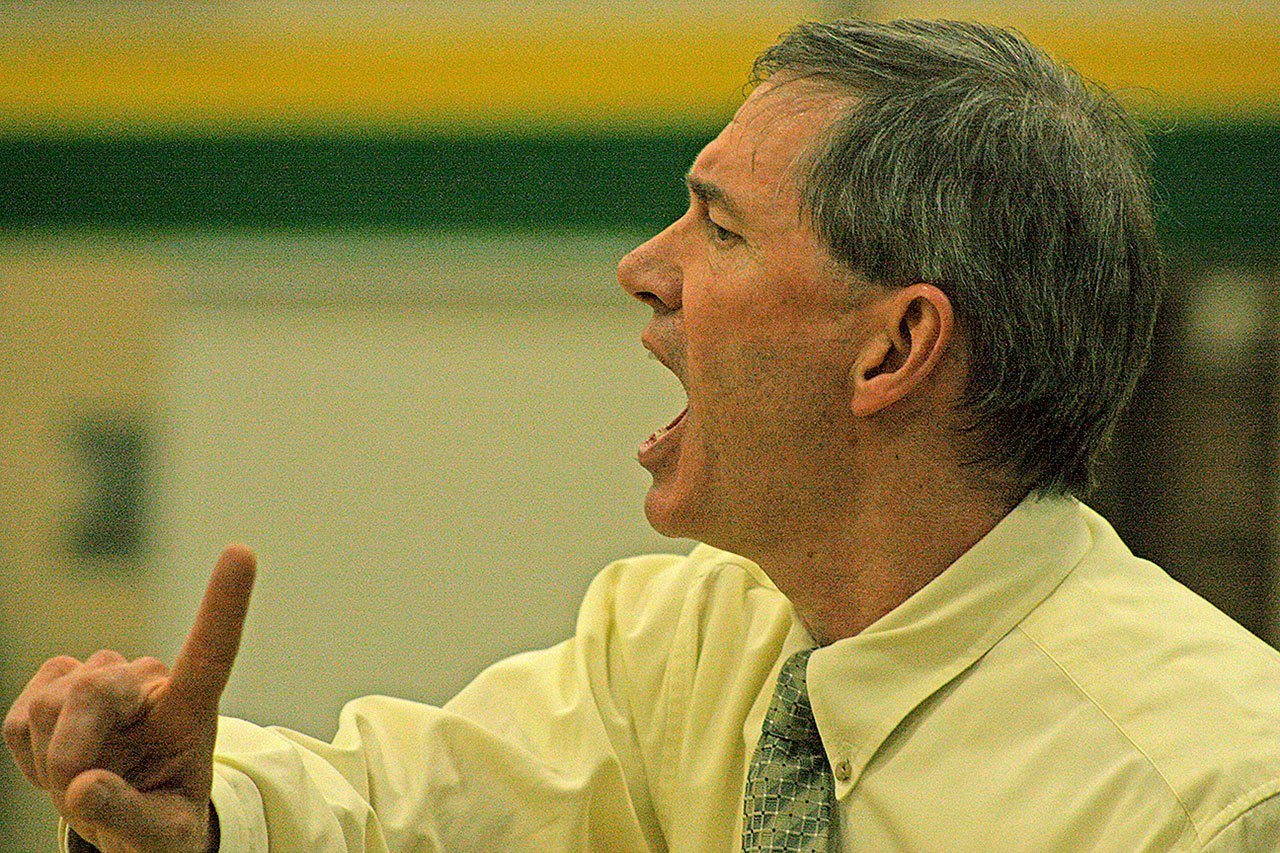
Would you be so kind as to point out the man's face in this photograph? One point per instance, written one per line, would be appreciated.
(761, 327)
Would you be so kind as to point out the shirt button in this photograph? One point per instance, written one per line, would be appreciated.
(843, 771)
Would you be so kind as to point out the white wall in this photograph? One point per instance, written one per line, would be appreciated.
(431, 471)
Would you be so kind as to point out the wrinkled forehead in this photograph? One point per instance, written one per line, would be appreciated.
(786, 98)
(778, 127)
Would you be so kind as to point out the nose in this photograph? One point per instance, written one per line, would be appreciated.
(650, 274)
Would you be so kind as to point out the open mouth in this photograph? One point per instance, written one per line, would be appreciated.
(664, 440)
(654, 445)
(657, 436)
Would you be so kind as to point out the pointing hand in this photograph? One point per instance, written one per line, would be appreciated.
(125, 748)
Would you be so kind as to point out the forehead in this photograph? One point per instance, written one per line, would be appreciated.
(770, 135)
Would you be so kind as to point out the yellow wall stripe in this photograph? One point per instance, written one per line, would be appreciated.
(678, 71)
(397, 79)
(1217, 67)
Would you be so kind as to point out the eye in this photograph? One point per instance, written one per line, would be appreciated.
(720, 234)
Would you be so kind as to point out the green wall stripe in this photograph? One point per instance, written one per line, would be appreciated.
(343, 181)
(1218, 190)
(1219, 184)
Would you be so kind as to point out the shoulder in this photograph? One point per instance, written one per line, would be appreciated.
(656, 590)
(657, 635)
(668, 620)
(1193, 696)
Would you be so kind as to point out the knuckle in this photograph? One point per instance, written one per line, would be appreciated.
(104, 657)
(111, 691)
(16, 728)
(150, 666)
(17, 713)
(43, 708)
(84, 681)
(59, 665)
(95, 682)
(88, 794)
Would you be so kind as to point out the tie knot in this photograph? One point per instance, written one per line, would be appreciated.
(790, 715)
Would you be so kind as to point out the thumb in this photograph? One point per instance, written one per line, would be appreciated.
(111, 814)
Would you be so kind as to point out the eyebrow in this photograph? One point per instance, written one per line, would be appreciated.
(711, 193)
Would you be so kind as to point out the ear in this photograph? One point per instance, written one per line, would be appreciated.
(915, 325)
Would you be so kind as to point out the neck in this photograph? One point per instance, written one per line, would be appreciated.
(886, 547)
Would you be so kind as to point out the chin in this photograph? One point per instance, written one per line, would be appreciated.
(671, 516)
(684, 514)
(663, 521)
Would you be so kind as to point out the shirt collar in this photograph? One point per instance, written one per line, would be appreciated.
(862, 687)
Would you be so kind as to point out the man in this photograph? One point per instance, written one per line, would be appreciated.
(913, 289)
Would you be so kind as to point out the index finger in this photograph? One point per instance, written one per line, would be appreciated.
(204, 664)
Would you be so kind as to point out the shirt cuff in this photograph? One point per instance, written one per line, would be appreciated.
(242, 822)
(69, 842)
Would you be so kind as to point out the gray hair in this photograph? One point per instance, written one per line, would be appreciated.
(974, 162)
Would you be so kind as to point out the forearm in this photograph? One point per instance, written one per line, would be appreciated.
(401, 775)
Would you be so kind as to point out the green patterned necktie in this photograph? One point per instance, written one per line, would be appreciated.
(790, 791)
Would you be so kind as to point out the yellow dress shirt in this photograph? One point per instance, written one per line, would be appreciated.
(1048, 692)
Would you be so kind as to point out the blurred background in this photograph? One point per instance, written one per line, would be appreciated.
(336, 280)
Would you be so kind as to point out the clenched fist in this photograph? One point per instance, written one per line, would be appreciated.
(125, 748)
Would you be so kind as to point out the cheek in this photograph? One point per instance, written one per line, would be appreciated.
(726, 321)
(775, 395)
(749, 341)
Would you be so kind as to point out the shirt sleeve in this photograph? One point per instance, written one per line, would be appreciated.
(1255, 830)
(539, 753)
